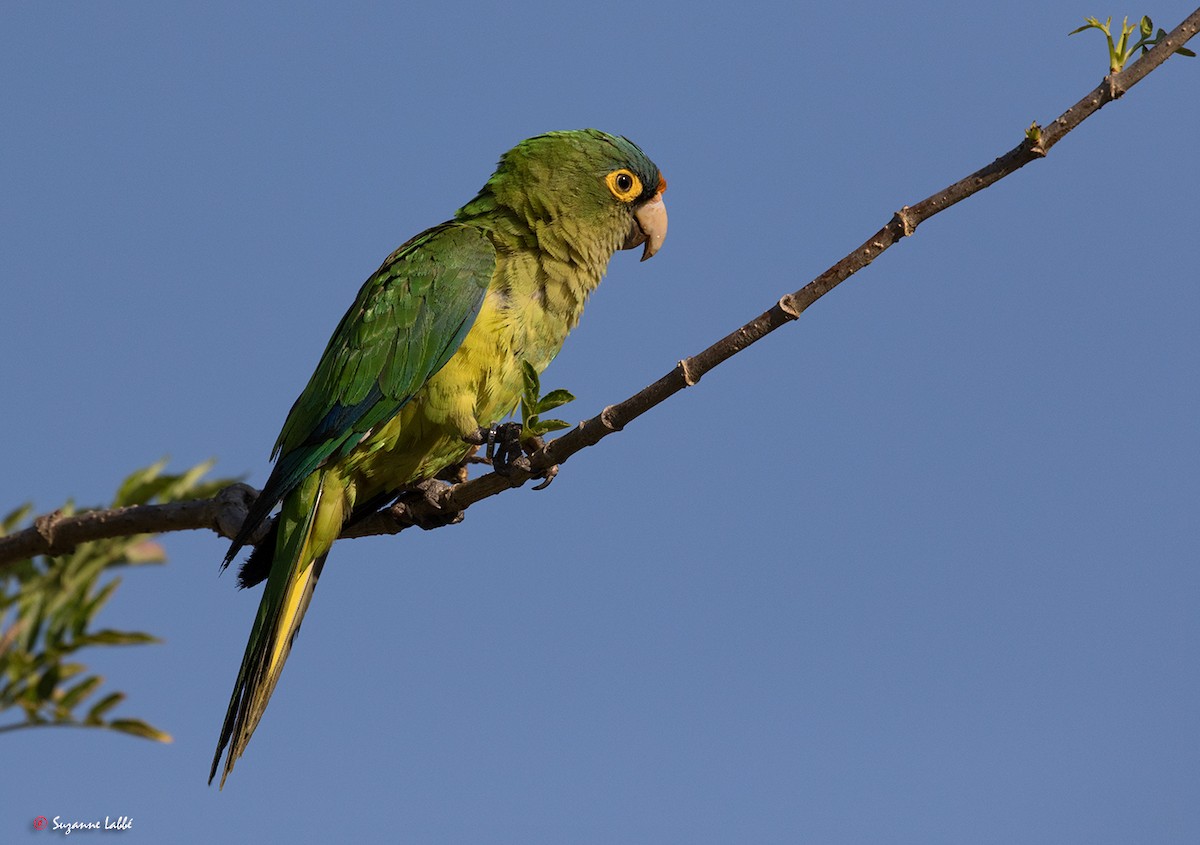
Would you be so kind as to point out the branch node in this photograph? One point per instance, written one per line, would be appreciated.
(46, 526)
(787, 304)
(608, 419)
(232, 506)
(686, 373)
(907, 226)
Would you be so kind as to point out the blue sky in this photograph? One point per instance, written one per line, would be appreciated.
(919, 568)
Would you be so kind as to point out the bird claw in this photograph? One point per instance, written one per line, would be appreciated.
(433, 493)
(548, 476)
(536, 444)
(506, 449)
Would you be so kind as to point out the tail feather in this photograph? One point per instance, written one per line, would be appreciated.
(300, 550)
(257, 566)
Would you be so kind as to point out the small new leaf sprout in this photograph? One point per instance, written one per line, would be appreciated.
(1120, 50)
(533, 405)
(1146, 43)
(1034, 133)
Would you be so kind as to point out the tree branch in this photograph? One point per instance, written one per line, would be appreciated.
(56, 534)
(224, 513)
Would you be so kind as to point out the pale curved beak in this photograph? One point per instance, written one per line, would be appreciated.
(652, 220)
(650, 228)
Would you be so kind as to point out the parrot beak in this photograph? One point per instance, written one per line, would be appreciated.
(650, 224)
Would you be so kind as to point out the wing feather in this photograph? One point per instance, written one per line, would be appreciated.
(409, 317)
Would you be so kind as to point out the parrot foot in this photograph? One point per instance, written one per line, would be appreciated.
(432, 493)
(504, 446)
(506, 449)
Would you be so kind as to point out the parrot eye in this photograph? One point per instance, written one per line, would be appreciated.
(624, 185)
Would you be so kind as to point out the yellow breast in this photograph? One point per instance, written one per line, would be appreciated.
(528, 311)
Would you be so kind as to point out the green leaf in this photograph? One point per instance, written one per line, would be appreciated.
(179, 486)
(33, 616)
(545, 426)
(137, 727)
(553, 399)
(17, 665)
(1184, 51)
(95, 715)
(66, 671)
(150, 483)
(15, 518)
(1146, 26)
(1093, 23)
(88, 610)
(111, 637)
(47, 683)
(79, 692)
(11, 692)
(140, 484)
(533, 385)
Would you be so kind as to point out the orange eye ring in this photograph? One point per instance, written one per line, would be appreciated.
(624, 185)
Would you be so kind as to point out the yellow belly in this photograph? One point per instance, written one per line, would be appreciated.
(480, 385)
(530, 307)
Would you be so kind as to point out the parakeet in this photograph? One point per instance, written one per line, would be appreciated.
(431, 351)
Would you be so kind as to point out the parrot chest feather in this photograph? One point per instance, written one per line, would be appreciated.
(531, 306)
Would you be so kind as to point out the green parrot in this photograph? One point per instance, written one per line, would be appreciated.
(430, 352)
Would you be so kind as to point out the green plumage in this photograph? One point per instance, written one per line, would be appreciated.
(430, 351)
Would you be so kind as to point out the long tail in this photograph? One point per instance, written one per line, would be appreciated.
(309, 522)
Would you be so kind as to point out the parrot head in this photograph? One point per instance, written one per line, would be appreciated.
(583, 186)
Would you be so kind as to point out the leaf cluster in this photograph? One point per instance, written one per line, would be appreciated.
(49, 608)
(1120, 50)
(533, 405)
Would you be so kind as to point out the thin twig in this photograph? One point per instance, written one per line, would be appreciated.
(55, 534)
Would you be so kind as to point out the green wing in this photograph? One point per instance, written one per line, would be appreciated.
(406, 322)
